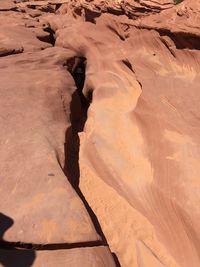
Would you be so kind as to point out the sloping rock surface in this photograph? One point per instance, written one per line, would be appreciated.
(99, 133)
(42, 203)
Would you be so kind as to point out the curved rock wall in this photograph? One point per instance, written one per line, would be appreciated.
(99, 133)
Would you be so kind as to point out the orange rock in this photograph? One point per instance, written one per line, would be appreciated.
(132, 157)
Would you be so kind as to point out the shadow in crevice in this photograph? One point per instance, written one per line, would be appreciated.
(72, 141)
(78, 107)
(90, 15)
(182, 40)
(78, 116)
(52, 246)
(50, 38)
(11, 256)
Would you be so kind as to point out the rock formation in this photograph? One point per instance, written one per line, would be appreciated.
(99, 133)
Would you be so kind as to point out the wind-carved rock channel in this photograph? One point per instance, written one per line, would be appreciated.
(99, 133)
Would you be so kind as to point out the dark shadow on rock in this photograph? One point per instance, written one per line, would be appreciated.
(13, 257)
(181, 40)
(17, 258)
(78, 116)
(5, 223)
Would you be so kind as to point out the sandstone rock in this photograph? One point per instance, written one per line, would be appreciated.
(35, 107)
(137, 63)
(6, 5)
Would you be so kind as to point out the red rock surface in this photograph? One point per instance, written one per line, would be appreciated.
(99, 133)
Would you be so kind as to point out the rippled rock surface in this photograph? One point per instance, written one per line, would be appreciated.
(99, 133)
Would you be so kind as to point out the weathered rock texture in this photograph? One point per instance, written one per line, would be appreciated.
(99, 133)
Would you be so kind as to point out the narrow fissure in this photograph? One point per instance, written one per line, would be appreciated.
(79, 107)
(11, 52)
(78, 115)
(30, 246)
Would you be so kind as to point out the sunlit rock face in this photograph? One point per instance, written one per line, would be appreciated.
(99, 133)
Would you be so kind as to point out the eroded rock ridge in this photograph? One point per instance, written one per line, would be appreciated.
(99, 133)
